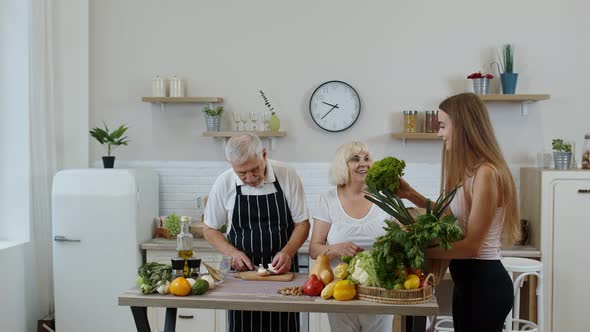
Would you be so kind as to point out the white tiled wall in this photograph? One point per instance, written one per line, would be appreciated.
(182, 182)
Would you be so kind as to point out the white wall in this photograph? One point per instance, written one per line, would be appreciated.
(26, 288)
(398, 55)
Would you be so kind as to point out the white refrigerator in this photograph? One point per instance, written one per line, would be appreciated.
(100, 218)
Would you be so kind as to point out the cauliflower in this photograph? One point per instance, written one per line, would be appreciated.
(362, 270)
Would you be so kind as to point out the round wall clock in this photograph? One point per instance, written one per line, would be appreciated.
(335, 106)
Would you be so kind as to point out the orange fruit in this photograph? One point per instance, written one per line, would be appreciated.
(180, 287)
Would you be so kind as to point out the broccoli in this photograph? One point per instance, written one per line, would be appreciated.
(385, 174)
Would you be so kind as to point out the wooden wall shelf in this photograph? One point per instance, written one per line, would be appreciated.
(428, 136)
(515, 98)
(235, 133)
(171, 100)
(523, 99)
(270, 135)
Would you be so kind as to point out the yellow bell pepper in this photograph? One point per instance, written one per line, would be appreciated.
(344, 290)
(341, 271)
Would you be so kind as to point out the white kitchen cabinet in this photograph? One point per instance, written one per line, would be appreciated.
(187, 320)
(557, 204)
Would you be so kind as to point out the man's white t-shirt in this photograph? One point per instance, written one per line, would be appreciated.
(344, 228)
(221, 200)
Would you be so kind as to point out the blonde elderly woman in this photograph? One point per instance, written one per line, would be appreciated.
(347, 223)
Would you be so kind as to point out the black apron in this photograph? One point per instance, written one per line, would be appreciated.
(260, 227)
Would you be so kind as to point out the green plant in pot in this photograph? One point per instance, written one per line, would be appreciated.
(111, 139)
(508, 77)
(562, 153)
(213, 117)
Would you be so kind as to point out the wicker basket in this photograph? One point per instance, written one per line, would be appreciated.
(438, 267)
(397, 296)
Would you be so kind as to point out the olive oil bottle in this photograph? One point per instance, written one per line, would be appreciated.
(184, 241)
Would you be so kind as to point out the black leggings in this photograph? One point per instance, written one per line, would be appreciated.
(482, 295)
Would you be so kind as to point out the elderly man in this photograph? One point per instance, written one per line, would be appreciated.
(268, 218)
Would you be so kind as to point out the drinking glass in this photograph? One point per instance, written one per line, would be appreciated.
(236, 117)
(254, 117)
(220, 263)
(244, 119)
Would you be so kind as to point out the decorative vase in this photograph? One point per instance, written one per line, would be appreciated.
(562, 160)
(108, 162)
(213, 122)
(481, 86)
(508, 81)
(274, 123)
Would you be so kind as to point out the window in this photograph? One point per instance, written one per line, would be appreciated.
(14, 123)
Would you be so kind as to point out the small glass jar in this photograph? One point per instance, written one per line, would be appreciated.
(586, 152)
(194, 265)
(434, 121)
(177, 267)
(410, 121)
(431, 121)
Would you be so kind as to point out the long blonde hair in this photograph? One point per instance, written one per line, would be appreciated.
(473, 144)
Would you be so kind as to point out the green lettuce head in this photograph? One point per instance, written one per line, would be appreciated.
(385, 174)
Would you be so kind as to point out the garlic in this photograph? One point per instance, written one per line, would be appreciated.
(210, 280)
(262, 271)
(271, 269)
(191, 281)
(164, 288)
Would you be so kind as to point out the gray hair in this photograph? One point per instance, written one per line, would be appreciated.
(339, 169)
(241, 147)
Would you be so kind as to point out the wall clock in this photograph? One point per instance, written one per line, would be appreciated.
(335, 106)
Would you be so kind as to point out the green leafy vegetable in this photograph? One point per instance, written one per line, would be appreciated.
(385, 174)
(152, 275)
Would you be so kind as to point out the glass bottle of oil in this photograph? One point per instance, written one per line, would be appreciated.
(184, 241)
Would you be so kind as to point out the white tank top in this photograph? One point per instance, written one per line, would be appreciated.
(493, 241)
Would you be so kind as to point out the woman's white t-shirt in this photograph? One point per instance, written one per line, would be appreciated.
(344, 228)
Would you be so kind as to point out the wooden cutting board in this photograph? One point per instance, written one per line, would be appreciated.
(251, 275)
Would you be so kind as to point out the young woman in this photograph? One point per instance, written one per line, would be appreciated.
(486, 209)
(347, 223)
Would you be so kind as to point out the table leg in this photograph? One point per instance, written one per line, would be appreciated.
(415, 323)
(170, 322)
(140, 317)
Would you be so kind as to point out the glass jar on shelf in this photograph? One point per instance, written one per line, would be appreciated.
(586, 152)
(410, 121)
(431, 121)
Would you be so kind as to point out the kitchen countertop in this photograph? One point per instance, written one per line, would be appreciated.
(237, 294)
(203, 245)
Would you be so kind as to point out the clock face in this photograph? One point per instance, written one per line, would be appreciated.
(335, 106)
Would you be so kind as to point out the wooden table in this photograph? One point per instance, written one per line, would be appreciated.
(237, 294)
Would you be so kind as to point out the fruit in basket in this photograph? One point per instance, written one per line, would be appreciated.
(412, 282)
(313, 286)
(180, 287)
(328, 291)
(341, 271)
(344, 290)
(322, 269)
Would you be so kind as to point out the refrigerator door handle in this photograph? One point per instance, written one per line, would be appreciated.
(60, 238)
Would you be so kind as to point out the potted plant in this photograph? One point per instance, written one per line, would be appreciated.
(481, 82)
(213, 117)
(508, 77)
(111, 139)
(274, 123)
(562, 153)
